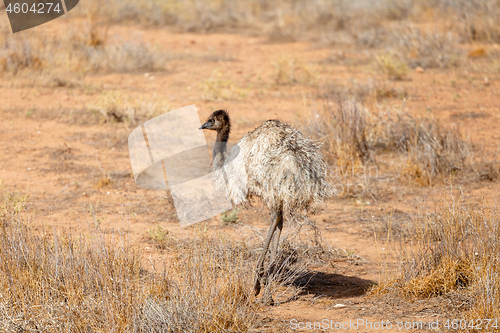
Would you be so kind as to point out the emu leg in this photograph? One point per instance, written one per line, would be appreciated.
(260, 263)
(267, 298)
(276, 239)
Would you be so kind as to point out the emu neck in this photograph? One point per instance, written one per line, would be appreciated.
(223, 134)
(219, 152)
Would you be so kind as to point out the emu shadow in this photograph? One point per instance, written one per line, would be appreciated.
(331, 285)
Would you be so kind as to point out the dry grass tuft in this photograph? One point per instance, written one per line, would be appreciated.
(430, 149)
(343, 127)
(453, 251)
(390, 65)
(291, 71)
(211, 295)
(218, 88)
(120, 57)
(114, 107)
(88, 49)
(19, 54)
(147, 13)
(103, 182)
(353, 137)
(230, 217)
(475, 20)
(111, 107)
(428, 49)
(11, 208)
(160, 237)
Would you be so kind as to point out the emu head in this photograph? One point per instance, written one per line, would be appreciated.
(217, 121)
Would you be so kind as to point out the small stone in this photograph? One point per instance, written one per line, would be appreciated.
(339, 305)
(419, 70)
(486, 81)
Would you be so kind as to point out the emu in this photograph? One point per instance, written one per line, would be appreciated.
(276, 163)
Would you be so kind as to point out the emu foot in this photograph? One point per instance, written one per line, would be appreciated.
(266, 299)
(256, 286)
(259, 280)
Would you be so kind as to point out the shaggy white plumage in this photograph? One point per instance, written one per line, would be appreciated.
(276, 163)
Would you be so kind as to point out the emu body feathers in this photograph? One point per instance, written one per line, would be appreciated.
(276, 163)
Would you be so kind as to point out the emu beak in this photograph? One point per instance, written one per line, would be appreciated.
(206, 125)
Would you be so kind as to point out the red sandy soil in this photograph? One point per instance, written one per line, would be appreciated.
(54, 151)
